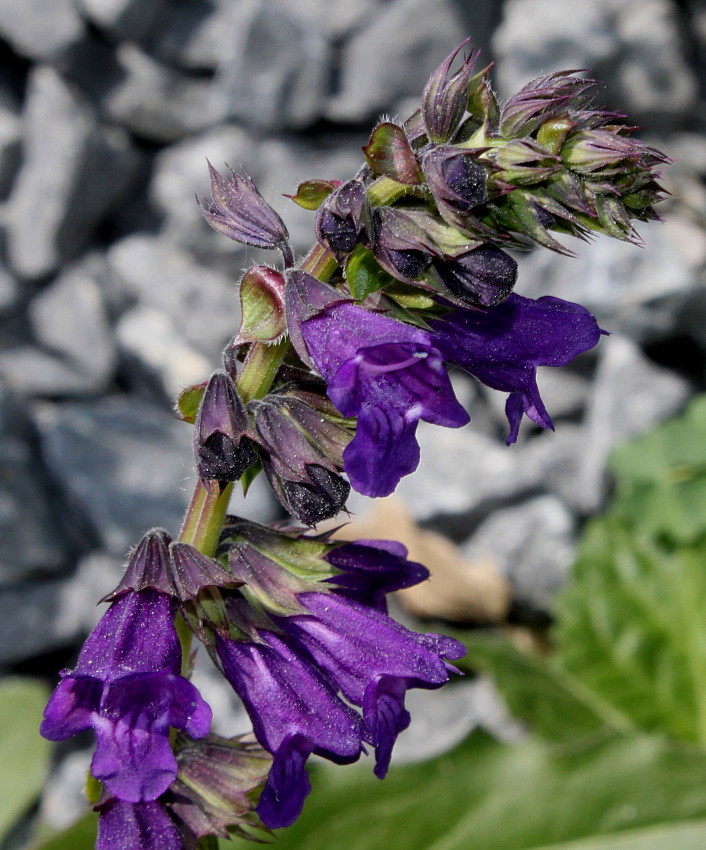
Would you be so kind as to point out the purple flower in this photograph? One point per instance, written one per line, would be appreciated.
(137, 826)
(389, 375)
(311, 651)
(372, 659)
(295, 712)
(127, 687)
(370, 569)
(503, 345)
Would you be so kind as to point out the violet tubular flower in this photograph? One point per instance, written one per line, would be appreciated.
(503, 346)
(295, 712)
(389, 375)
(127, 826)
(126, 686)
(312, 653)
(372, 659)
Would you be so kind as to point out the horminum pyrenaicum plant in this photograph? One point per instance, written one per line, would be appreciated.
(339, 355)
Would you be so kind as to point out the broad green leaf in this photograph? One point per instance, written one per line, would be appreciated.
(687, 836)
(24, 755)
(631, 627)
(662, 478)
(364, 274)
(549, 699)
(489, 796)
(79, 836)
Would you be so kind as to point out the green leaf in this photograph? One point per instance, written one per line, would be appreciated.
(662, 478)
(363, 273)
(631, 627)
(551, 700)
(79, 836)
(187, 405)
(489, 796)
(24, 755)
(312, 193)
(687, 836)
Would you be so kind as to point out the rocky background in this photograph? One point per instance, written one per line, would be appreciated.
(114, 293)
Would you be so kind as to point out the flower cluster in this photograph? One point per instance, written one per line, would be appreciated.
(336, 361)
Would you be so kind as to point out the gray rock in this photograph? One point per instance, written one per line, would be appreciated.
(33, 543)
(10, 135)
(157, 102)
(69, 318)
(32, 371)
(459, 471)
(276, 70)
(124, 465)
(72, 173)
(286, 163)
(196, 34)
(634, 45)
(443, 718)
(338, 18)
(48, 615)
(125, 19)
(202, 303)
(636, 292)
(64, 796)
(29, 622)
(156, 349)
(630, 395)
(391, 58)
(652, 79)
(532, 545)
(9, 291)
(37, 32)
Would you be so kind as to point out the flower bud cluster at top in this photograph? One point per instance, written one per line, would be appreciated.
(336, 360)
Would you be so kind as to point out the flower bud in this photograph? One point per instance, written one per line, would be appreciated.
(148, 566)
(540, 100)
(302, 455)
(240, 212)
(456, 179)
(444, 100)
(215, 791)
(482, 277)
(222, 444)
(340, 218)
(261, 306)
(399, 244)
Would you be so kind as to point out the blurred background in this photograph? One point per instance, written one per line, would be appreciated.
(114, 295)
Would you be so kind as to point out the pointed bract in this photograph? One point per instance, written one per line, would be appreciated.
(192, 571)
(148, 566)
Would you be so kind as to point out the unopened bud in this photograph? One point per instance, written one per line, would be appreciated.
(222, 446)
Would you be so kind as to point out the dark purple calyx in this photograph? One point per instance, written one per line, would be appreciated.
(222, 444)
(482, 277)
(340, 218)
(445, 98)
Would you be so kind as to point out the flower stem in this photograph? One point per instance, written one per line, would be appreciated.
(261, 366)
